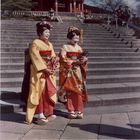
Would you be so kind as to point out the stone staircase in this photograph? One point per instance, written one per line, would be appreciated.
(113, 68)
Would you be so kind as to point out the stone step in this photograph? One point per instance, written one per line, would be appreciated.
(93, 49)
(58, 26)
(96, 79)
(103, 79)
(12, 105)
(60, 44)
(11, 82)
(10, 93)
(12, 54)
(109, 109)
(96, 88)
(85, 34)
(128, 64)
(90, 58)
(58, 39)
(103, 41)
(113, 54)
(33, 24)
(113, 59)
(29, 36)
(113, 64)
(113, 99)
(62, 29)
(109, 88)
(57, 47)
(114, 71)
(22, 35)
(102, 88)
(12, 74)
(94, 72)
(10, 90)
(53, 38)
(55, 24)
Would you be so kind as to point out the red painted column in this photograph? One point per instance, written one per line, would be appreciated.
(74, 3)
(41, 5)
(82, 7)
(79, 7)
(70, 7)
(56, 6)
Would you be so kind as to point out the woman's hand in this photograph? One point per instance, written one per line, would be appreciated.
(55, 62)
(69, 62)
(48, 71)
(83, 59)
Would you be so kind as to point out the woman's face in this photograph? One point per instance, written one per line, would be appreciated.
(75, 38)
(46, 34)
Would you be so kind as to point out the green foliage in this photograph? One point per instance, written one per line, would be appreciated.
(17, 4)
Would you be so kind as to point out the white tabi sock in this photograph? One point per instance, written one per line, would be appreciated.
(41, 115)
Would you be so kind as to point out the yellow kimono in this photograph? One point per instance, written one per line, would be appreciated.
(37, 83)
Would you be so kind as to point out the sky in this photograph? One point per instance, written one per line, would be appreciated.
(131, 3)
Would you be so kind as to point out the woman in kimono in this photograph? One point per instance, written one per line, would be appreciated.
(42, 94)
(72, 78)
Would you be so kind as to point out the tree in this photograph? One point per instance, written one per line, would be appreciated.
(17, 4)
(138, 9)
(112, 4)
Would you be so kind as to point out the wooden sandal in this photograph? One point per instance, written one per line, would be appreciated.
(72, 115)
(79, 115)
(42, 121)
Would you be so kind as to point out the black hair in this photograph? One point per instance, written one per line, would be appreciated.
(42, 26)
(71, 34)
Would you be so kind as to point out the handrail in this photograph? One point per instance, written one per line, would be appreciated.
(128, 23)
(118, 34)
(134, 26)
(30, 13)
(26, 13)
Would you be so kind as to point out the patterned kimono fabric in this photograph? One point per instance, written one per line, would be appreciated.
(72, 79)
(42, 95)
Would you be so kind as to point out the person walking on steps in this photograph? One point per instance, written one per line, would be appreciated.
(44, 63)
(72, 75)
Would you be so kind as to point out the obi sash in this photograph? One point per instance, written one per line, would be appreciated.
(46, 55)
(73, 55)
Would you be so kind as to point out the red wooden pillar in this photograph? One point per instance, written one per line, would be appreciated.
(74, 4)
(41, 5)
(70, 5)
(82, 7)
(79, 7)
(56, 6)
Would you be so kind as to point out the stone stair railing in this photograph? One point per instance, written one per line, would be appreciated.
(122, 32)
(26, 13)
(125, 35)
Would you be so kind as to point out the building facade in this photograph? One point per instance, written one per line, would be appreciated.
(59, 5)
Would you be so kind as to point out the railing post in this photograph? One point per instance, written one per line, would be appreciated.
(108, 20)
(127, 26)
(116, 18)
(56, 7)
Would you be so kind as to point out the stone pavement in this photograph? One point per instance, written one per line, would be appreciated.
(94, 126)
